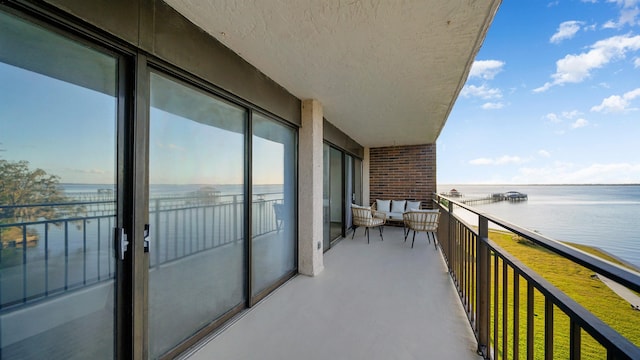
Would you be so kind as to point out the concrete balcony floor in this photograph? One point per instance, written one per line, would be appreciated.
(382, 300)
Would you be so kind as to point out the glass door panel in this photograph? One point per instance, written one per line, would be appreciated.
(348, 189)
(274, 202)
(58, 121)
(357, 182)
(326, 186)
(335, 193)
(196, 211)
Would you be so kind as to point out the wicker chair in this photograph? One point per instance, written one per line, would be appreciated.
(422, 221)
(278, 209)
(363, 216)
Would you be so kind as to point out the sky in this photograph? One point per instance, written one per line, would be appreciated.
(49, 122)
(553, 97)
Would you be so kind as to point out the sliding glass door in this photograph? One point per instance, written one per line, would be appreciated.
(202, 268)
(273, 230)
(349, 181)
(58, 194)
(333, 195)
(357, 182)
(342, 187)
(196, 211)
(140, 207)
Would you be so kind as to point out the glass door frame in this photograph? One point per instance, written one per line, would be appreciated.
(127, 322)
(147, 65)
(346, 198)
(130, 292)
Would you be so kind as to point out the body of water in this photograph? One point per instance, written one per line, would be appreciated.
(603, 216)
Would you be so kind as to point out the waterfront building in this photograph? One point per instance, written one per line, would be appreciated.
(226, 141)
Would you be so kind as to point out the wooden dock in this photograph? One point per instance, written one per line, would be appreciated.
(496, 197)
(482, 200)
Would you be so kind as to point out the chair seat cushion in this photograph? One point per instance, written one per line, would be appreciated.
(394, 215)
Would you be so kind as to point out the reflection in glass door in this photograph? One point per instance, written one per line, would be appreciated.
(58, 116)
(196, 212)
(336, 194)
(348, 190)
(357, 182)
(333, 176)
(326, 209)
(273, 230)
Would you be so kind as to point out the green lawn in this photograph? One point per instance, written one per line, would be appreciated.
(575, 281)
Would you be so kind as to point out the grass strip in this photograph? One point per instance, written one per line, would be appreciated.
(574, 280)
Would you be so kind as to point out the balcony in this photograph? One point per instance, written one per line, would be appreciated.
(376, 301)
(382, 300)
(385, 300)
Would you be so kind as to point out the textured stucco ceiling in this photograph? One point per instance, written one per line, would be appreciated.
(386, 72)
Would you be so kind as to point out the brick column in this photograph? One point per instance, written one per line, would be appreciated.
(310, 260)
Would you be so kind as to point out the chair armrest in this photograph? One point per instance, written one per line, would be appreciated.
(379, 215)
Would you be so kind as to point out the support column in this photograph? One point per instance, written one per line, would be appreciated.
(310, 216)
(366, 185)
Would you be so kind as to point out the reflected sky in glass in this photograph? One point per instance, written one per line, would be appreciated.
(49, 122)
(32, 104)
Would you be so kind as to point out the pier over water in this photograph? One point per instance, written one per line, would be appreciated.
(495, 197)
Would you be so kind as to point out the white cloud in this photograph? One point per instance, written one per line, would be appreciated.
(492, 106)
(617, 103)
(544, 153)
(87, 171)
(636, 62)
(628, 14)
(486, 69)
(482, 91)
(566, 30)
(555, 118)
(170, 146)
(567, 173)
(503, 160)
(552, 117)
(576, 68)
(625, 3)
(543, 88)
(570, 114)
(612, 104)
(579, 123)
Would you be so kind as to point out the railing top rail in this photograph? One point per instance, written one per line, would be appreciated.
(58, 204)
(59, 220)
(623, 276)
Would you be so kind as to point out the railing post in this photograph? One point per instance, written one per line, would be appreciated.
(235, 218)
(483, 287)
(451, 234)
(156, 234)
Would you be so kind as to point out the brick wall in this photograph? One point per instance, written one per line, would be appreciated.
(403, 172)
